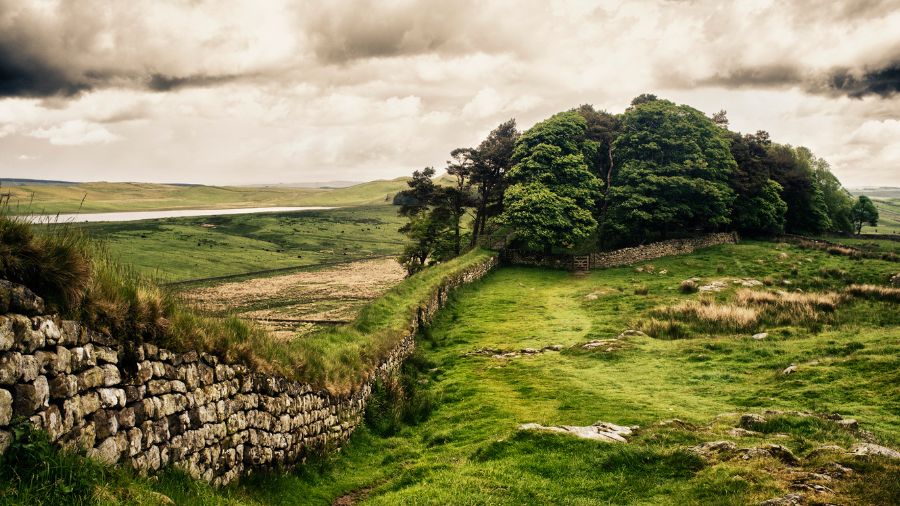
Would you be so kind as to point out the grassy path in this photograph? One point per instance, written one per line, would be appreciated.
(470, 450)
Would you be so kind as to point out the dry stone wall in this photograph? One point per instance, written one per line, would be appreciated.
(625, 256)
(149, 408)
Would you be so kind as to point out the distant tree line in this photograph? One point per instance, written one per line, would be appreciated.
(586, 179)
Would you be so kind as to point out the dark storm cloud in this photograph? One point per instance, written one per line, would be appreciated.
(163, 82)
(22, 76)
(777, 75)
(884, 82)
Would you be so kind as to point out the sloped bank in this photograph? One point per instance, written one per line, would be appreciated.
(149, 407)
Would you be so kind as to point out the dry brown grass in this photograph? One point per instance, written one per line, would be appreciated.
(712, 315)
(781, 300)
(885, 293)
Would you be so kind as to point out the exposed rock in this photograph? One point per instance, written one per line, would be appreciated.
(760, 336)
(770, 450)
(600, 431)
(6, 409)
(28, 397)
(749, 420)
(748, 282)
(15, 298)
(710, 449)
(740, 432)
(848, 423)
(791, 369)
(10, 367)
(787, 500)
(716, 286)
(874, 449)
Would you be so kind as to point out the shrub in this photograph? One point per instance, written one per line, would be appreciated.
(664, 329)
(688, 286)
(876, 292)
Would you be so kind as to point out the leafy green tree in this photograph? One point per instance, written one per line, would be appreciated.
(543, 219)
(758, 206)
(807, 212)
(673, 168)
(864, 212)
(838, 201)
(491, 160)
(552, 193)
(761, 212)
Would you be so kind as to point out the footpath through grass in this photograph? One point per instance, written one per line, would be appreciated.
(470, 450)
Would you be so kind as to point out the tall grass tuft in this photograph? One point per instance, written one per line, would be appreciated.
(884, 293)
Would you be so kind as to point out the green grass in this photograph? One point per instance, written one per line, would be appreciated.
(888, 216)
(177, 249)
(469, 450)
(112, 197)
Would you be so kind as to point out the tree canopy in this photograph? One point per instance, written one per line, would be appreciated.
(586, 178)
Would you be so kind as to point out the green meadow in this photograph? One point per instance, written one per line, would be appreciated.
(113, 197)
(458, 441)
(177, 249)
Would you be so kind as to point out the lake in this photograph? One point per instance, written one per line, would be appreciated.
(155, 215)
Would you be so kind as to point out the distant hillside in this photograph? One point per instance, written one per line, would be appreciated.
(876, 191)
(45, 197)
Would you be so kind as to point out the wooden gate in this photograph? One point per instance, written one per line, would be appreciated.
(582, 263)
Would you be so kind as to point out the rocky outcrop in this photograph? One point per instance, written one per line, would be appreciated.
(149, 407)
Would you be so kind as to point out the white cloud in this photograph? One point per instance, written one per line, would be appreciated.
(75, 133)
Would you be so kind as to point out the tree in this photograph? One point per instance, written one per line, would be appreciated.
(807, 212)
(673, 168)
(761, 212)
(491, 160)
(643, 98)
(838, 201)
(452, 201)
(758, 206)
(551, 180)
(543, 219)
(863, 212)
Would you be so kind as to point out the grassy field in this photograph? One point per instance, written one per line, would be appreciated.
(112, 197)
(888, 216)
(176, 249)
(471, 451)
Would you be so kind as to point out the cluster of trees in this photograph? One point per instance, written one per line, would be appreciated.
(585, 179)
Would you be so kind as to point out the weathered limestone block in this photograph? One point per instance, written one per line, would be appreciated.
(90, 402)
(111, 397)
(106, 422)
(52, 422)
(107, 451)
(29, 397)
(47, 327)
(7, 333)
(91, 378)
(106, 355)
(27, 339)
(6, 407)
(19, 299)
(111, 375)
(69, 333)
(134, 393)
(158, 387)
(10, 367)
(63, 386)
(82, 357)
(29, 368)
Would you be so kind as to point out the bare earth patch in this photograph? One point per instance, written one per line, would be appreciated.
(333, 293)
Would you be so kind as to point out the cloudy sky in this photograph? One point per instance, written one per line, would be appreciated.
(231, 92)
